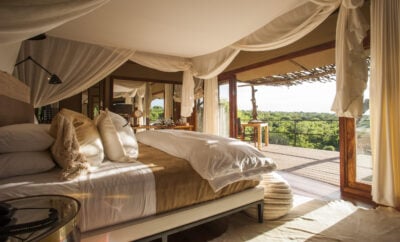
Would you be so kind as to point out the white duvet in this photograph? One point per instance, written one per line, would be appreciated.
(217, 159)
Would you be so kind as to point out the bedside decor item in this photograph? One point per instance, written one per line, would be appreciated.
(53, 79)
(164, 123)
(137, 113)
(44, 218)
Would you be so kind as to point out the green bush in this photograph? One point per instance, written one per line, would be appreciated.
(329, 147)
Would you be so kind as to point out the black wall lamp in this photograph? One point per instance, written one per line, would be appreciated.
(53, 79)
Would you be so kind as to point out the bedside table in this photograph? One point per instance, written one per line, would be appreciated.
(47, 218)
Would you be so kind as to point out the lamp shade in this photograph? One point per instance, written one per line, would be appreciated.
(54, 79)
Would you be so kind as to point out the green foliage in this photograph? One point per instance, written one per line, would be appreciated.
(329, 147)
(309, 130)
(156, 113)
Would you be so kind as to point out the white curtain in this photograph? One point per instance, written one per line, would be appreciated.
(78, 65)
(351, 60)
(187, 94)
(21, 20)
(177, 93)
(127, 89)
(168, 100)
(147, 100)
(211, 112)
(141, 92)
(385, 101)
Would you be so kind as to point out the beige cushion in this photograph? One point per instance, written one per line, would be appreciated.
(24, 137)
(24, 163)
(88, 137)
(118, 138)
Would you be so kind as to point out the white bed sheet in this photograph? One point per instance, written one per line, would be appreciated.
(113, 193)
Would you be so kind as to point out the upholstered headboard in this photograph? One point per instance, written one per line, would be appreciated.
(14, 101)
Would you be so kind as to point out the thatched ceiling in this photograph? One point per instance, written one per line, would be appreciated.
(318, 74)
(316, 66)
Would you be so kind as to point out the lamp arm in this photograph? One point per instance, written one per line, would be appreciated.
(27, 58)
(30, 58)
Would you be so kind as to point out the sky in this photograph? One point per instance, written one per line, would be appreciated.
(306, 97)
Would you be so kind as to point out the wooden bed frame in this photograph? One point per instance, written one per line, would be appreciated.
(13, 110)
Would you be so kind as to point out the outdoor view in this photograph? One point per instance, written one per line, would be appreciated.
(298, 116)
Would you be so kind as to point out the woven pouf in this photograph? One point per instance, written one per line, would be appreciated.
(278, 198)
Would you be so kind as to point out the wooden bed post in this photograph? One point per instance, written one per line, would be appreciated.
(233, 107)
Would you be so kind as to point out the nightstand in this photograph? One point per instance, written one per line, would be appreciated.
(43, 218)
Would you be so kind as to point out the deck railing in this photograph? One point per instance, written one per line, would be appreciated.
(318, 134)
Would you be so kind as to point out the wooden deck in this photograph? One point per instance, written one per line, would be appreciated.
(313, 173)
(320, 165)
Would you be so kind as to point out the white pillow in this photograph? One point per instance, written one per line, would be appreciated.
(24, 163)
(118, 138)
(24, 137)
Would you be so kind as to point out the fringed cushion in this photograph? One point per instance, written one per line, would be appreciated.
(78, 145)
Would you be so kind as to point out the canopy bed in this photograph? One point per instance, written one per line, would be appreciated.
(154, 195)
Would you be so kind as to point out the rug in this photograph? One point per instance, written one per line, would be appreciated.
(315, 220)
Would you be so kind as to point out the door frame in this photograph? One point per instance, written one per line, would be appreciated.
(348, 161)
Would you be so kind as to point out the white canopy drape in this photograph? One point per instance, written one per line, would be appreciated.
(351, 60)
(79, 66)
(280, 32)
(385, 101)
(286, 29)
(21, 20)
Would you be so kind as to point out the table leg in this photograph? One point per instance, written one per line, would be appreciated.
(259, 138)
(266, 133)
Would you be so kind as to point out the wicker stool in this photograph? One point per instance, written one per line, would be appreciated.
(278, 198)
